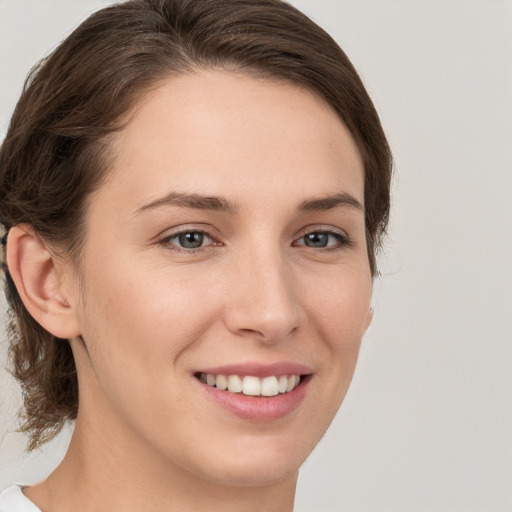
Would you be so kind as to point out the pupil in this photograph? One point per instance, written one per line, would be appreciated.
(191, 240)
(316, 240)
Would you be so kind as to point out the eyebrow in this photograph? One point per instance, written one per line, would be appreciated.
(198, 201)
(221, 204)
(330, 202)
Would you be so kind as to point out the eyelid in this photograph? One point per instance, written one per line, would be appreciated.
(343, 238)
(165, 238)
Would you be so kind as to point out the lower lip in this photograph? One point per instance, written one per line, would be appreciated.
(258, 409)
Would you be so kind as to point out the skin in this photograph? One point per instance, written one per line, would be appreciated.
(143, 314)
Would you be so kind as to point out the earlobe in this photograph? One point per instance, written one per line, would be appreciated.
(369, 318)
(38, 277)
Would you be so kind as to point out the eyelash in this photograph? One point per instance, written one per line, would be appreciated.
(342, 240)
(167, 241)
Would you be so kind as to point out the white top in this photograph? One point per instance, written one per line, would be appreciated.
(13, 500)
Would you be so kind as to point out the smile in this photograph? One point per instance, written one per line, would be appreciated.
(250, 385)
(256, 392)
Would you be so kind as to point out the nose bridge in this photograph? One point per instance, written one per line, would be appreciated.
(265, 303)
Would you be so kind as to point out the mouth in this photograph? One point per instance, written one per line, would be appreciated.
(251, 385)
(256, 393)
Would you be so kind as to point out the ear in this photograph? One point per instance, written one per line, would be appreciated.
(369, 318)
(40, 279)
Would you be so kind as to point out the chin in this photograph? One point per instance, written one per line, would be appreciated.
(254, 473)
(251, 463)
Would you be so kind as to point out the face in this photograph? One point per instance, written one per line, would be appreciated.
(228, 246)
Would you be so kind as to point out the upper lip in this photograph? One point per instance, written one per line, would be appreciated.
(259, 369)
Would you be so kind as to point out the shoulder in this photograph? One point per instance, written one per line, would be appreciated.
(13, 500)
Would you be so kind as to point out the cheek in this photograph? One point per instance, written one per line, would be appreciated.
(338, 309)
(143, 320)
(339, 312)
(340, 304)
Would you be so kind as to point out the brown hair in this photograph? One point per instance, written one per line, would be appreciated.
(56, 150)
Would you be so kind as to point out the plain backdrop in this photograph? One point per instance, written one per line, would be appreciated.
(427, 423)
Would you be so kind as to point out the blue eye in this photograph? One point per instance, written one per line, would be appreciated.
(190, 239)
(323, 240)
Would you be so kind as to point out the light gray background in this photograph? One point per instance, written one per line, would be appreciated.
(427, 424)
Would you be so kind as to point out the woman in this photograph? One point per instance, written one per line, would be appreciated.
(193, 194)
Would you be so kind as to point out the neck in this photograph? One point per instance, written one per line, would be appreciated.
(112, 472)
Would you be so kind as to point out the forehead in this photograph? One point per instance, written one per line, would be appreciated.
(215, 129)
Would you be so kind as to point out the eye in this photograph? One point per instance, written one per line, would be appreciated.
(323, 240)
(189, 239)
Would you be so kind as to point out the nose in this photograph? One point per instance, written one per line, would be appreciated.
(264, 299)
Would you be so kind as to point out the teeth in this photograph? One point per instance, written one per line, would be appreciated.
(282, 385)
(269, 386)
(291, 382)
(234, 384)
(222, 382)
(250, 385)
